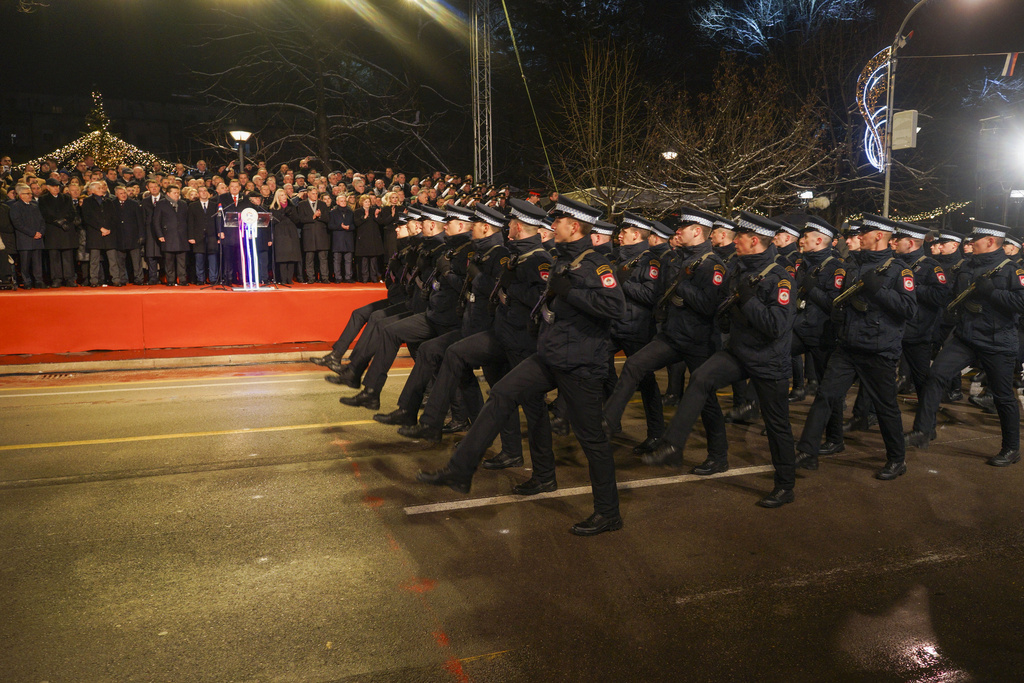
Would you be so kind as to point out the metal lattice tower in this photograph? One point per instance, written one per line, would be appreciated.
(480, 49)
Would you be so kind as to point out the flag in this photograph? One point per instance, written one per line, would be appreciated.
(1010, 65)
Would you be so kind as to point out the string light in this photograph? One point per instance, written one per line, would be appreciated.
(924, 216)
(103, 146)
(871, 85)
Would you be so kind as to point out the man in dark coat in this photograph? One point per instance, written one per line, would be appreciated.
(171, 227)
(100, 219)
(7, 244)
(232, 203)
(154, 250)
(61, 238)
(130, 235)
(312, 217)
(343, 239)
(29, 228)
(202, 235)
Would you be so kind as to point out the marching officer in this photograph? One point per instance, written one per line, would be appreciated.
(581, 300)
(988, 303)
(872, 311)
(758, 315)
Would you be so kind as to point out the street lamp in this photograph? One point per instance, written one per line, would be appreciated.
(669, 155)
(240, 137)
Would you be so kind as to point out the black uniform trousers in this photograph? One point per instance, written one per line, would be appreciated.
(415, 329)
(819, 360)
(723, 369)
(355, 323)
(484, 350)
(369, 340)
(429, 359)
(649, 391)
(877, 377)
(534, 377)
(918, 358)
(676, 372)
(999, 369)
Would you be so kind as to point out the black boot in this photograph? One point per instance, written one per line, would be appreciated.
(745, 412)
(647, 445)
(797, 395)
(891, 471)
(421, 431)
(345, 377)
(323, 360)
(367, 398)
(1005, 458)
(446, 477)
(665, 454)
(918, 439)
(503, 461)
(777, 498)
(399, 417)
(560, 426)
(984, 401)
(454, 426)
(710, 466)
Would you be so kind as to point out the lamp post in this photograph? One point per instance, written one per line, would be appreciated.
(240, 137)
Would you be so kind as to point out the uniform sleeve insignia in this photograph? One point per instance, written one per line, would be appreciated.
(837, 281)
(608, 280)
(543, 269)
(601, 270)
(719, 275)
(1020, 277)
(908, 281)
(785, 284)
(504, 261)
(652, 272)
(940, 276)
(783, 296)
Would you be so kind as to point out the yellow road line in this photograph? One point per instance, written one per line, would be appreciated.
(183, 435)
(157, 381)
(489, 655)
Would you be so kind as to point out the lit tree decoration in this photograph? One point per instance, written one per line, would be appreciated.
(106, 148)
(925, 215)
(871, 87)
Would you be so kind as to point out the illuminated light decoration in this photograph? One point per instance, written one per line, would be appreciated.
(925, 216)
(247, 228)
(871, 87)
(105, 147)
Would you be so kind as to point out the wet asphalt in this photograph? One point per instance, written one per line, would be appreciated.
(238, 524)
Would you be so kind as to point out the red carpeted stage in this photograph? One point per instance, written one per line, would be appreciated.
(158, 317)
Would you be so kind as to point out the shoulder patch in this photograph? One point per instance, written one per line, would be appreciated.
(655, 262)
(543, 269)
(838, 277)
(718, 276)
(504, 261)
(602, 269)
(608, 280)
(906, 272)
(939, 275)
(783, 295)
(908, 281)
(652, 270)
(785, 284)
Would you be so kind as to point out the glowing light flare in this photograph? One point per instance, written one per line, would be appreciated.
(450, 19)
(871, 87)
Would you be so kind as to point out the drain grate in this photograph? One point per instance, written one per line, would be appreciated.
(57, 375)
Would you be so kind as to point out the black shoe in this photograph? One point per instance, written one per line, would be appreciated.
(323, 360)
(710, 466)
(334, 365)
(560, 426)
(777, 498)
(54, 285)
(347, 377)
(811, 386)
(664, 455)
(831, 448)
(1005, 458)
(646, 446)
(502, 461)
(806, 461)
(904, 385)
(445, 477)
(918, 439)
(984, 401)
(860, 424)
(596, 524)
(367, 398)
(891, 471)
(953, 396)
(797, 395)
(400, 417)
(610, 430)
(422, 432)
(670, 400)
(70, 283)
(533, 486)
(745, 412)
(454, 426)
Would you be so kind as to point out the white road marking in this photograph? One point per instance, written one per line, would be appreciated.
(576, 491)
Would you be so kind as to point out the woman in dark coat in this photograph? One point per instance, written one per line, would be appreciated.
(285, 236)
(369, 246)
(389, 213)
(343, 239)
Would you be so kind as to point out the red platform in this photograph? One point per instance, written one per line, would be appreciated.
(159, 317)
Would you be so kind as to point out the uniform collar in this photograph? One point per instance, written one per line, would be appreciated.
(758, 261)
(815, 258)
(526, 244)
(573, 249)
(865, 257)
(458, 240)
(696, 250)
(629, 251)
(989, 259)
(488, 242)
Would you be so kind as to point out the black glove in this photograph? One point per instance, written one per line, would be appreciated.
(559, 285)
(746, 290)
(472, 270)
(983, 287)
(872, 281)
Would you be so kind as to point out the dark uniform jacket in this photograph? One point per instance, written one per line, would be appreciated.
(400, 265)
(129, 228)
(638, 272)
(578, 339)
(989, 323)
(933, 291)
(27, 222)
(879, 327)
(99, 213)
(487, 258)
(202, 226)
(314, 230)
(522, 283)
(339, 224)
(819, 276)
(760, 325)
(789, 258)
(666, 256)
(285, 236)
(59, 214)
(421, 276)
(950, 264)
(449, 274)
(690, 306)
(171, 223)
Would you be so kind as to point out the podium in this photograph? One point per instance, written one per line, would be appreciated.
(248, 222)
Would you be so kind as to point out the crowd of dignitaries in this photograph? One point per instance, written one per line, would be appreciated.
(147, 226)
(542, 300)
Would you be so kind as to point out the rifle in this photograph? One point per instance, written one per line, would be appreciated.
(962, 297)
(670, 291)
(857, 286)
(811, 277)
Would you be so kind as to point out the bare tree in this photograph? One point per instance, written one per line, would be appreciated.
(597, 132)
(745, 144)
(295, 80)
